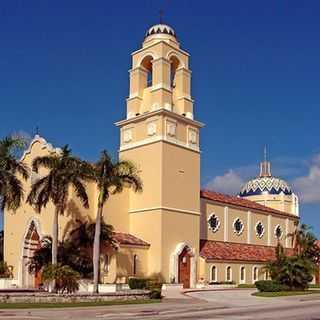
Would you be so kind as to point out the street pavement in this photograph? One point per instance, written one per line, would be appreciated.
(205, 305)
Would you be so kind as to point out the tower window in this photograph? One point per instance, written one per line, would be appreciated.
(147, 65)
(174, 64)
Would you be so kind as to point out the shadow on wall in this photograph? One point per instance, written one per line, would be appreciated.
(75, 214)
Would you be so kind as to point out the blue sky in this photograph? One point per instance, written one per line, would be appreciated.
(256, 74)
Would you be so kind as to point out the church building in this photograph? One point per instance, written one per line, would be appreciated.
(173, 228)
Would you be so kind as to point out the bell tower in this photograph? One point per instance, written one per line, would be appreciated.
(161, 137)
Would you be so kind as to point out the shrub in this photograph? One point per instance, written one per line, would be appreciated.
(66, 278)
(155, 294)
(137, 283)
(5, 270)
(270, 286)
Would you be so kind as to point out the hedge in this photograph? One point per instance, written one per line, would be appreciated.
(270, 286)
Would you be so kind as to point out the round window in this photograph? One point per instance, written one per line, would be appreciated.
(214, 223)
(238, 226)
(259, 229)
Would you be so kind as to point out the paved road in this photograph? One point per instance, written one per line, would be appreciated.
(231, 305)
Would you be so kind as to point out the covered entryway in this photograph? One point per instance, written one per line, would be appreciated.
(30, 244)
(183, 265)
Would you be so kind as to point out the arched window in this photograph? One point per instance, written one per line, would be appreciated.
(242, 274)
(147, 65)
(135, 264)
(174, 64)
(229, 274)
(214, 274)
(255, 274)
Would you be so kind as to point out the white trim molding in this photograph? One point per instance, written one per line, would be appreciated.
(269, 230)
(287, 232)
(44, 145)
(225, 236)
(249, 227)
(157, 138)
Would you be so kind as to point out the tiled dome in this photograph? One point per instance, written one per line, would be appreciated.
(265, 183)
(160, 29)
(270, 185)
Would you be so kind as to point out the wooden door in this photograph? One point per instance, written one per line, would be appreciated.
(184, 268)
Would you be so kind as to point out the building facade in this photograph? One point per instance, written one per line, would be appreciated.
(173, 228)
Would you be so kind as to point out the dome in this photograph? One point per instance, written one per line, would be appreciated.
(160, 29)
(265, 183)
(261, 185)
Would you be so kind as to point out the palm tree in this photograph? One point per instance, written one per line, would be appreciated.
(304, 242)
(111, 177)
(11, 190)
(65, 171)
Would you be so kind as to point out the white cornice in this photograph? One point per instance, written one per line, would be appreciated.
(44, 145)
(162, 112)
(158, 138)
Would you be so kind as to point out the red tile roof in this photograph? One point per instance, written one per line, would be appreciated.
(230, 251)
(129, 239)
(240, 202)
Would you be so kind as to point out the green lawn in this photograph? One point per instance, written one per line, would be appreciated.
(283, 293)
(72, 304)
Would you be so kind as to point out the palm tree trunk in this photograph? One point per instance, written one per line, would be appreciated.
(55, 235)
(55, 239)
(96, 249)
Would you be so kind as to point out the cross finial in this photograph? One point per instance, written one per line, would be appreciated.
(37, 130)
(265, 153)
(161, 16)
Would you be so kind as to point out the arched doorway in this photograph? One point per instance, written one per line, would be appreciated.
(184, 267)
(30, 244)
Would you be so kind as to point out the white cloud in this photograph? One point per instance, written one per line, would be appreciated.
(229, 183)
(308, 186)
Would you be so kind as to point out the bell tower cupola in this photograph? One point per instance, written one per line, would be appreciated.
(160, 75)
